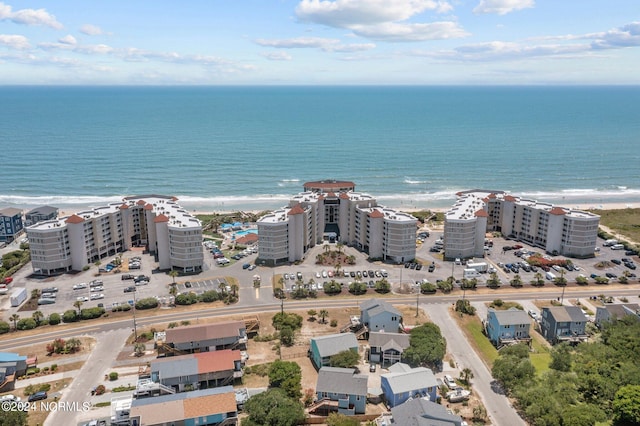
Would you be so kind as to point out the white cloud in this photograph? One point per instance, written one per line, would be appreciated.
(383, 20)
(326, 44)
(345, 13)
(14, 41)
(625, 36)
(68, 39)
(91, 30)
(29, 17)
(398, 32)
(502, 7)
(277, 56)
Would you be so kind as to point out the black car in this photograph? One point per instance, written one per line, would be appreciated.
(188, 284)
(418, 266)
(246, 266)
(126, 277)
(407, 265)
(129, 289)
(432, 267)
(434, 250)
(611, 275)
(38, 396)
(616, 261)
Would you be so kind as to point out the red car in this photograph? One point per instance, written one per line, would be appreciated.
(7, 280)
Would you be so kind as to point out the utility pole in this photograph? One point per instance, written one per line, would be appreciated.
(418, 300)
(281, 318)
(135, 328)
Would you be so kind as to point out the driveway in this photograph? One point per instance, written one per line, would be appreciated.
(498, 407)
(109, 344)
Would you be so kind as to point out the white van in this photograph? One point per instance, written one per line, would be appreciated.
(471, 273)
(617, 247)
(550, 276)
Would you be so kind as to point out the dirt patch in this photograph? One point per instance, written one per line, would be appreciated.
(87, 345)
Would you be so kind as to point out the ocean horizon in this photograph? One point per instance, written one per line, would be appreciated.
(252, 148)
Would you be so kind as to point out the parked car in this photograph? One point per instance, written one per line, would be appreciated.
(50, 290)
(432, 267)
(38, 396)
(46, 301)
(246, 266)
(448, 380)
(533, 314)
(129, 289)
(127, 277)
(96, 296)
(79, 286)
(82, 299)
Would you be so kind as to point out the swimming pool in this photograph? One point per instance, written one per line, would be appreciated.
(245, 232)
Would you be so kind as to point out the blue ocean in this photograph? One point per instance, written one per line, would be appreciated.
(231, 148)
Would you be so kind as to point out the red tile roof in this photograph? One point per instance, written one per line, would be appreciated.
(558, 211)
(297, 209)
(124, 206)
(207, 405)
(492, 196)
(481, 213)
(148, 207)
(344, 196)
(212, 362)
(196, 333)
(74, 218)
(376, 214)
(141, 202)
(510, 198)
(247, 239)
(160, 218)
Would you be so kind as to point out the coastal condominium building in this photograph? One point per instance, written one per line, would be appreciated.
(10, 224)
(73, 242)
(332, 211)
(557, 230)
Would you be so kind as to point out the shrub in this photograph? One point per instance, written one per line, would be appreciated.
(172, 325)
(123, 388)
(122, 308)
(99, 390)
(113, 376)
(185, 322)
(282, 319)
(70, 316)
(357, 288)
(383, 286)
(26, 324)
(29, 390)
(86, 268)
(54, 319)
(54, 367)
(4, 327)
(332, 287)
(209, 296)
(91, 313)
(147, 303)
(186, 299)
(427, 288)
(333, 323)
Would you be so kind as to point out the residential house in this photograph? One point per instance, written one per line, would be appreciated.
(613, 312)
(203, 338)
(12, 366)
(324, 347)
(387, 348)
(210, 407)
(10, 224)
(198, 371)
(510, 326)
(563, 324)
(422, 412)
(403, 383)
(378, 315)
(40, 214)
(342, 390)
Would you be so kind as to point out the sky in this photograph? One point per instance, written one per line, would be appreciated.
(320, 42)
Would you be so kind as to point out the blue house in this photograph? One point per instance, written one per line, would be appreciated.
(403, 383)
(10, 224)
(387, 348)
(506, 327)
(324, 347)
(215, 406)
(341, 390)
(12, 366)
(378, 315)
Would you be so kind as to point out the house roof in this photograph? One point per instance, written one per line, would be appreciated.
(341, 380)
(10, 211)
(386, 340)
(567, 313)
(160, 218)
(74, 218)
(184, 405)
(11, 357)
(196, 333)
(558, 211)
(376, 214)
(297, 209)
(512, 316)
(42, 210)
(406, 381)
(199, 363)
(620, 310)
(481, 213)
(224, 360)
(422, 412)
(377, 306)
(335, 343)
(250, 238)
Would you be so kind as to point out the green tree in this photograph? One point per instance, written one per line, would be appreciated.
(287, 336)
(139, 349)
(516, 281)
(37, 316)
(4, 327)
(13, 418)
(286, 376)
(282, 319)
(426, 346)
(78, 305)
(582, 415)
(357, 288)
(626, 406)
(54, 319)
(382, 286)
(337, 419)
(273, 408)
(513, 367)
(345, 359)
(323, 315)
(312, 314)
(27, 324)
(15, 318)
(173, 274)
(561, 357)
(445, 286)
(466, 375)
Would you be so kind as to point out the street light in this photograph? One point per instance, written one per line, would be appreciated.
(135, 329)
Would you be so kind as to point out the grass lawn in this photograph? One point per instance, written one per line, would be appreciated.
(472, 328)
(540, 357)
(622, 221)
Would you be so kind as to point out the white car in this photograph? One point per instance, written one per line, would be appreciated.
(533, 314)
(318, 274)
(79, 286)
(324, 274)
(82, 299)
(96, 296)
(448, 380)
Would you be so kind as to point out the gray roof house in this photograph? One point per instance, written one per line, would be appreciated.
(510, 326)
(387, 348)
(40, 214)
(203, 338)
(378, 315)
(342, 390)
(617, 311)
(324, 347)
(403, 383)
(563, 324)
(422, 412)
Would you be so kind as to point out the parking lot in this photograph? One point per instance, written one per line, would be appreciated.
(199, 287)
